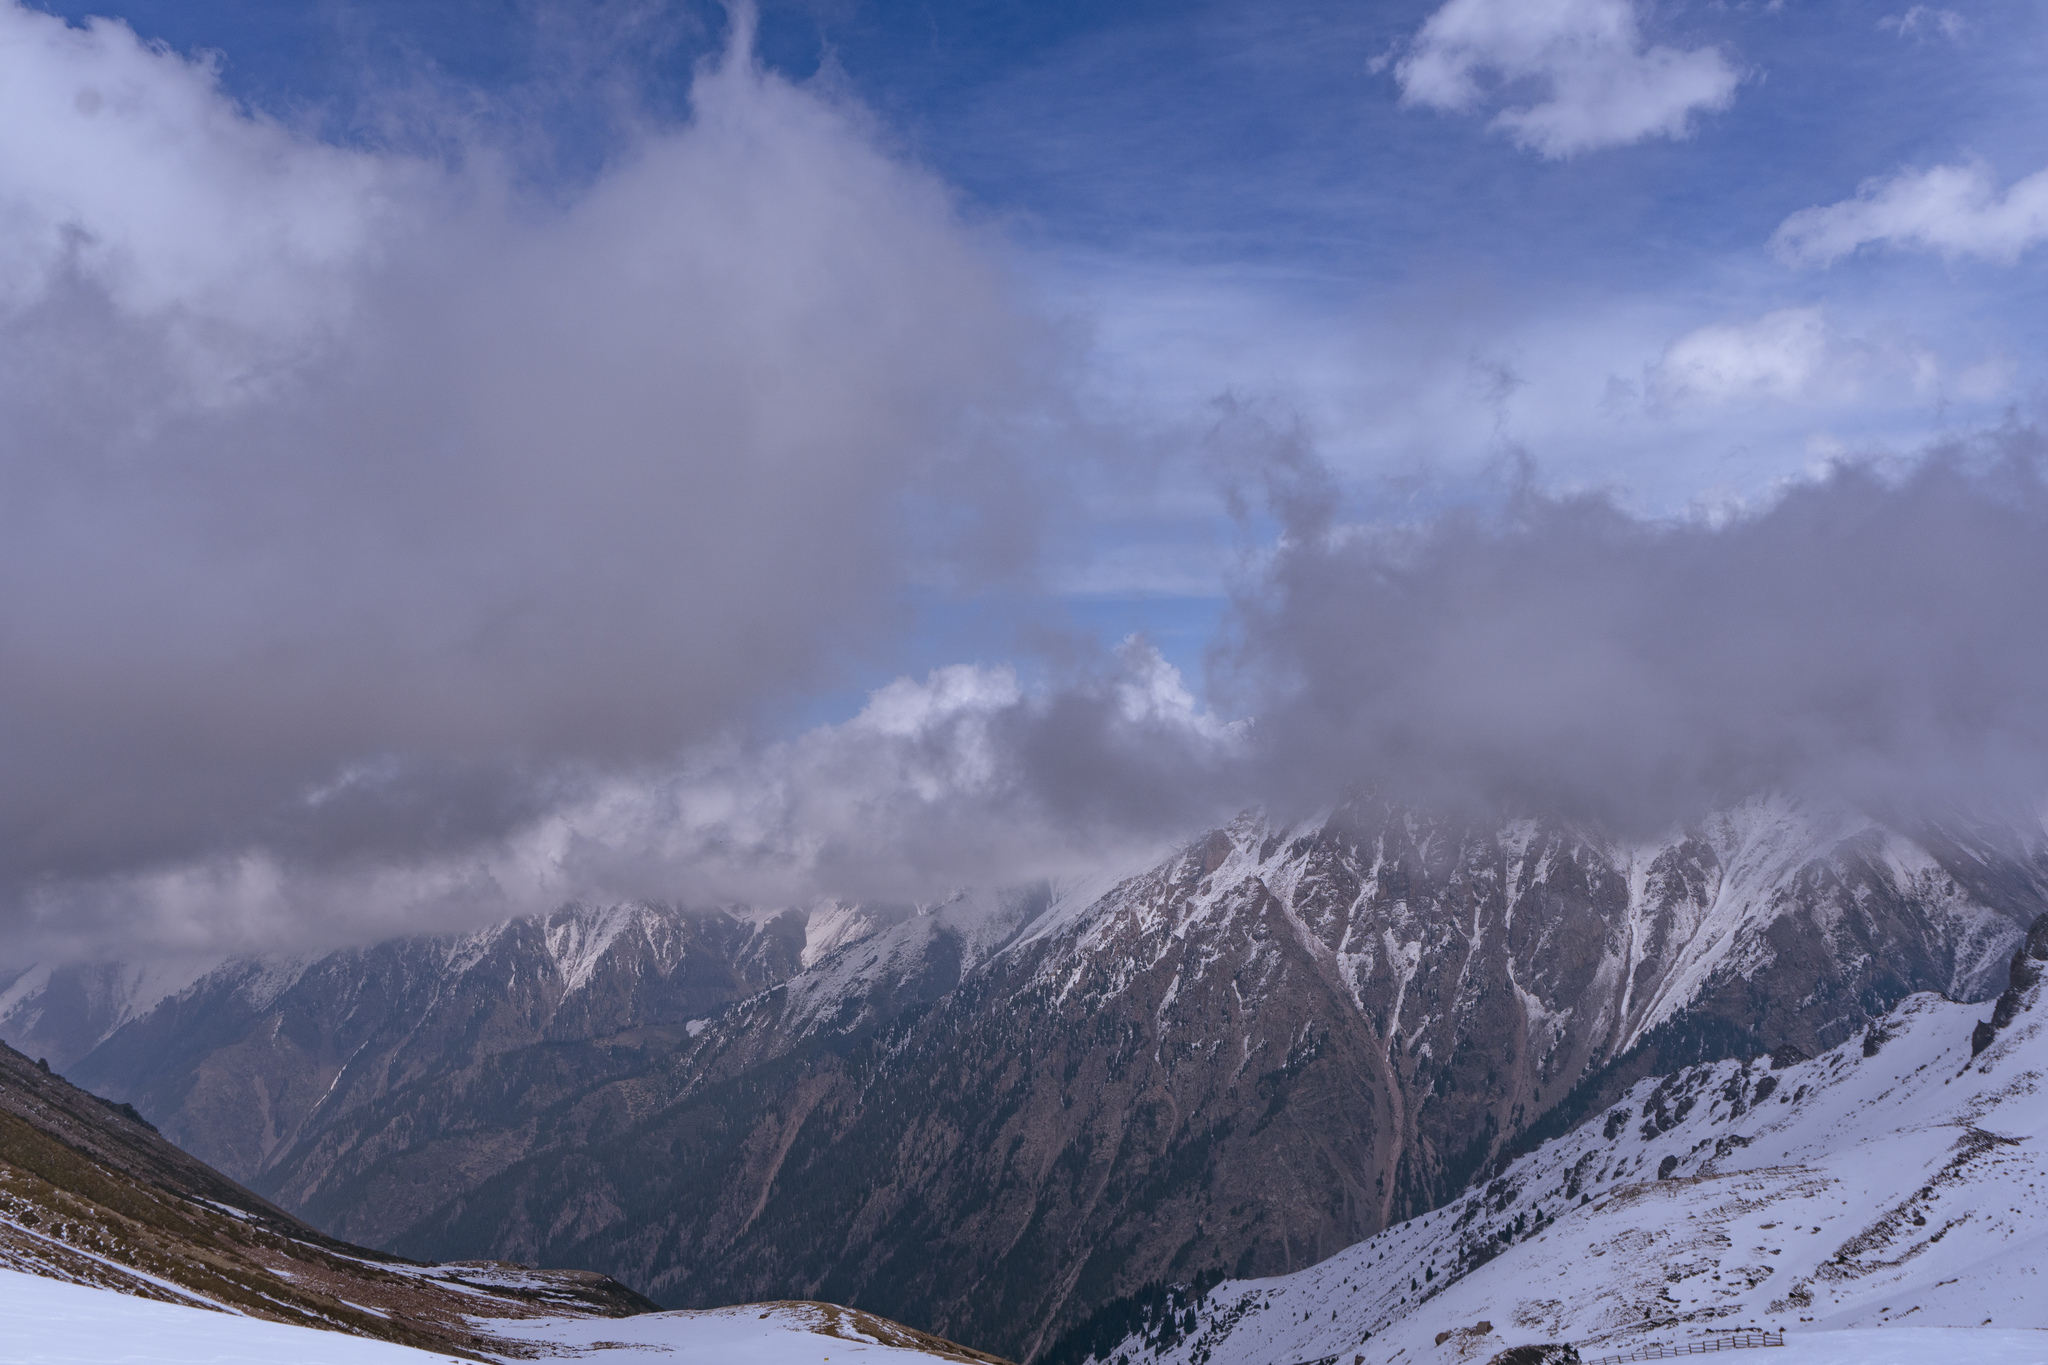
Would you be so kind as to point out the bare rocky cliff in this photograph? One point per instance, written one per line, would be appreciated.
(257, 1057)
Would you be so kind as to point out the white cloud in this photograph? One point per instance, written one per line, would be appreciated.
(1776, 356)
(1791, 355)
(930, 787)
(1922, 20)
(1601, 85)
(935, 783)
(127, 168)
(1955, 210)
(361, 474)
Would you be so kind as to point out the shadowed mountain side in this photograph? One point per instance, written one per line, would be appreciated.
(258, 1055)
(374, 1172)
(990, 1156)
(62, 1012)
(91, 1194)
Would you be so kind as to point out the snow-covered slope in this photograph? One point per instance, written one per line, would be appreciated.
(1898, 1181)
(50, 1322)
(1273, 1043)
(919, 954)
(750, 1334)
(1660, 924)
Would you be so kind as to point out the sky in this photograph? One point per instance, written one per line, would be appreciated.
(459, 457)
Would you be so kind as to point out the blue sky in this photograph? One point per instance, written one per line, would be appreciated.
(948, 334)
(1235, 200)
(1233, 197)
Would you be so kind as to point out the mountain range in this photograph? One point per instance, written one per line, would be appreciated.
(1001, 1116)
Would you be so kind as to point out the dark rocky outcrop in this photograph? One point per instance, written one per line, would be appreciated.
(1542, 1353)
(2023, 974)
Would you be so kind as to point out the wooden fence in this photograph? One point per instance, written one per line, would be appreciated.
(1729, 1341)
(1732, 1341)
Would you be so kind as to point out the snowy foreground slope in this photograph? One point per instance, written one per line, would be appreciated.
(1896, 1183)
(117, 1246)
(49, 1322)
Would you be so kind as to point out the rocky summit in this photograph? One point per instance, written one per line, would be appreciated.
(999, 1117)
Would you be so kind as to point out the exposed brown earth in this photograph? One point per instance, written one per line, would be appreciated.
(93, 1195)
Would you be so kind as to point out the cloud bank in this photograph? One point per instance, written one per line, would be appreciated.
(961, 778)
(359, 504)
(1873, 636)
(386, 547)
(1597, 82)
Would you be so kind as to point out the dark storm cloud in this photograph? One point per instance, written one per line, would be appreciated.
(1879, 634)
(1873, 636)
(358, 509)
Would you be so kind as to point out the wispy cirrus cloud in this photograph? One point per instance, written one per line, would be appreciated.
(1924, 21)
(1957, 211)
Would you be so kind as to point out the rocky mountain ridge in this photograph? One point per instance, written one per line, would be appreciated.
(61, 1011)
(992, 1118)
(254, 1054)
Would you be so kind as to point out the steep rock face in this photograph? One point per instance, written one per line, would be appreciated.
(259, 1056)
(1805, 922)
(62, 1012)
(1266, 1048)
(991, 1118)
(375, 1170)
